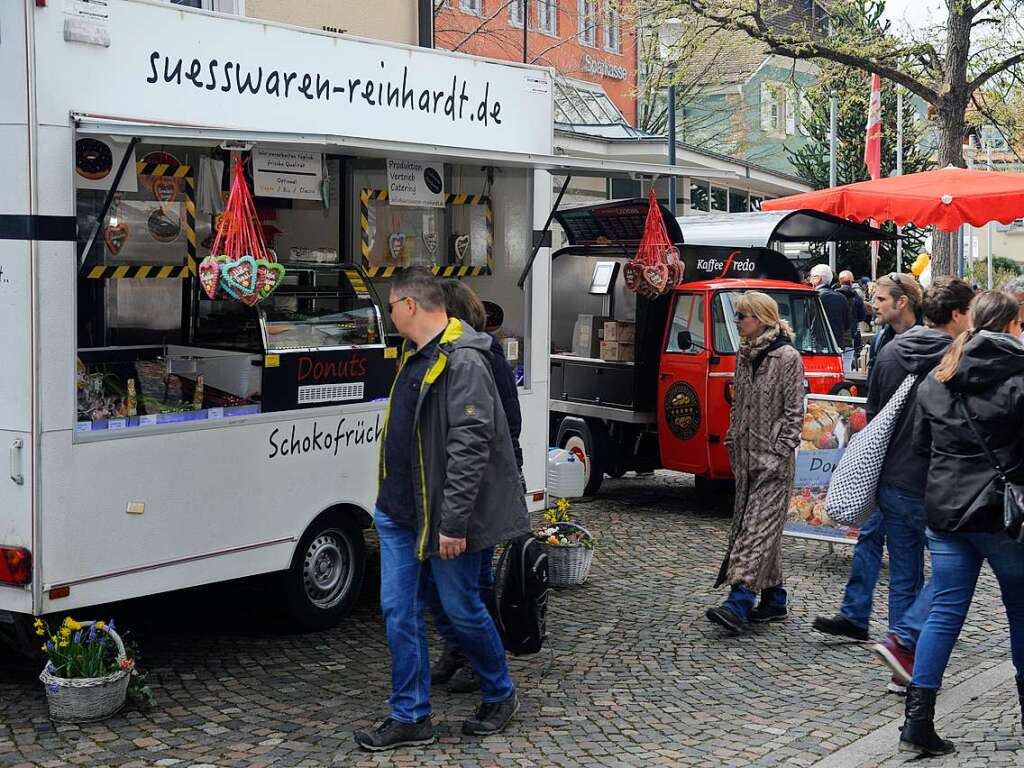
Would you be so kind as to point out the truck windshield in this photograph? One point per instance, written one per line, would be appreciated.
(801, 309)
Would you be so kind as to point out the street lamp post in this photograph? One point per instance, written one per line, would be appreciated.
(668, 35)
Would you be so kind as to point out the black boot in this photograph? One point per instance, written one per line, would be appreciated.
(918, 731)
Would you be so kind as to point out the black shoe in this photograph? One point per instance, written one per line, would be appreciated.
(391, 733)
(464, 681)
(918, 732)
(447, 664)
(765, 613)
(491, 718)
(840, 626)
(723, 617)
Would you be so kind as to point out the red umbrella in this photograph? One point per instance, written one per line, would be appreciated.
(944, 198)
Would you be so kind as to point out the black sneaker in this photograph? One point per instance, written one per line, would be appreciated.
(840, 626)
(765, 613)
(723, 617)
(447, 664)
(391, 733)
(491, 718)
(464, 680)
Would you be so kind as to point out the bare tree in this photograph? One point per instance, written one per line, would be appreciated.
(980, 44)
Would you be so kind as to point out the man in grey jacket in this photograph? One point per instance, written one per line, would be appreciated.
(449, 489)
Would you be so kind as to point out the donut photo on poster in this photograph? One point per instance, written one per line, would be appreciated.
(96, 161)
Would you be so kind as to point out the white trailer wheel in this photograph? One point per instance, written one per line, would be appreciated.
(326, 575)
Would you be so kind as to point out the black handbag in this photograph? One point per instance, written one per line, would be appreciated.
(1013, 494)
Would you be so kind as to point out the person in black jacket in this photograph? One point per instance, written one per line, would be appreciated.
(979, 381)
(857, 310)
(897, 306)
(837, 310)
(462, 302)
(899, 523)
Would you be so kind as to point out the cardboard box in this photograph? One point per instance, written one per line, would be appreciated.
(617, 351)
(618, 331)
(587, 335)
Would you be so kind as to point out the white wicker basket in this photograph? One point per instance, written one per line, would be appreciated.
(85, 699)
(569, 566)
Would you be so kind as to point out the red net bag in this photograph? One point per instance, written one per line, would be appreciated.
(239, 265)
(656, 266)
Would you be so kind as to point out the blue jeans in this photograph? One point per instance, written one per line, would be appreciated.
(403, 600)
(956, 563)
(441, 621)
(899, 523)
(908, 629)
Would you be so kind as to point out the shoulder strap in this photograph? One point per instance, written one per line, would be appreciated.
(988, 451)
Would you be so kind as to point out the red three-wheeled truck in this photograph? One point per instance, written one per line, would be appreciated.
(640, 384)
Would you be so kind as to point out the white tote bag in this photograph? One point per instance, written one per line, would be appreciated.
(854, 486)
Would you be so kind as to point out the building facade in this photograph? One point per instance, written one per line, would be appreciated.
(589, 40)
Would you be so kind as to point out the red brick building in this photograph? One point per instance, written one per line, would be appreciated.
(585, 39)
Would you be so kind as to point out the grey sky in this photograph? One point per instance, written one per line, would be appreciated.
(914, 13)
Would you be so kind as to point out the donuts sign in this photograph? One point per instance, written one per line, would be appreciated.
(96, 161)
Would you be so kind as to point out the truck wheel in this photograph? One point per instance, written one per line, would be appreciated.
(326, 575)
(578, 439)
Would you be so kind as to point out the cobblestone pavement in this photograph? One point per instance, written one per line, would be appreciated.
(632, 673)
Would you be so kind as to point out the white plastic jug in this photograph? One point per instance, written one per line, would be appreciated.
(565, 478)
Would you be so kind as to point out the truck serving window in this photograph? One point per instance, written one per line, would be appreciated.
(688, 316)
(800, 309)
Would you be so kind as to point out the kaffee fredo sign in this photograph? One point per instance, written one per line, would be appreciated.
(164, 65)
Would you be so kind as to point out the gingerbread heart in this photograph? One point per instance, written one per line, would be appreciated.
(209, 275)
(396, 244)
(631, 273)
(268, 277)
(115, 237)
(461, 246)
(238, 278)
(656, 276)
(430, 242)
(165, 190)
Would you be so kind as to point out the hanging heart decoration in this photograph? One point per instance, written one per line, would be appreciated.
(396, 244)
(238, 277)
(656, 266)
(269, 276)
(165, 190)
(430, 242)
(209, 274)
(656, 275)
(461, 247)
(115, 237)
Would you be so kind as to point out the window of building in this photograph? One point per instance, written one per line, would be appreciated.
(516, 8)
(582, 103)
(719, 199)
(689, 316)
(612, 27)
(472, 6)
(771, 114)
(587, 21)
(738, 201)
(700, 195)
(547, 16)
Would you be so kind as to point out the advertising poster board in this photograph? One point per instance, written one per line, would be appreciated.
(830, 421)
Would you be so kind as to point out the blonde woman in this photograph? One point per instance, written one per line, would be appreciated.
(767, 414)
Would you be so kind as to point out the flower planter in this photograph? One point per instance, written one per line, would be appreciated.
(86, 699)
(569, 565)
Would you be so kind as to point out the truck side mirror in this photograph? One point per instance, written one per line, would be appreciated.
(684, 341)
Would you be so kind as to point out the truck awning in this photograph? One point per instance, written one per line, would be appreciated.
(612, 222)
(367, 147)
(757, 230)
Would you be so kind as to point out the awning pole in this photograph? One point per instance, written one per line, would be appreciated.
(105, 208)
(833, 118)
(899, 169)
(547, 226)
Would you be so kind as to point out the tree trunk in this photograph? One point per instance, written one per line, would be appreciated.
(952, 112)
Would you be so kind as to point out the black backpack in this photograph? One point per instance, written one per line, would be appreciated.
(521, 579)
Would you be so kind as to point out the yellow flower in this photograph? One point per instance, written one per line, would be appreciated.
(40, 632)
(101, 625)
(73, 625)
(62, 644)
(43, 648)
(37, 623)
(65, 632)
(53, 639)
(563, 505)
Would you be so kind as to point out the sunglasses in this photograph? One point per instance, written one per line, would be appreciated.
(895, 277)
(391, 304)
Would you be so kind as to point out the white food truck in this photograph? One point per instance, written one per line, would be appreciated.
(159, 440)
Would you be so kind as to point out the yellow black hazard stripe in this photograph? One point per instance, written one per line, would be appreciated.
(157, 271)
(366, 196)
